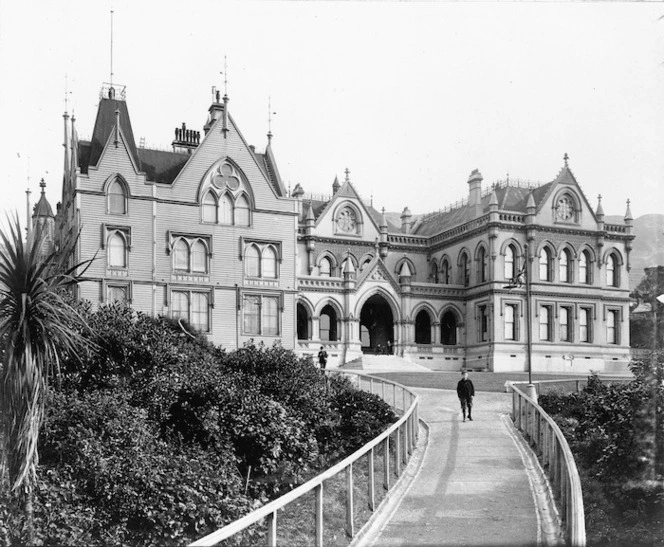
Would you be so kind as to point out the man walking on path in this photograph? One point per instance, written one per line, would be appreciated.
(322, 358)
(466, 392)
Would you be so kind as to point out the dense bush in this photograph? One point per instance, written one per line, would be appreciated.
(153, 436)
(616, 432)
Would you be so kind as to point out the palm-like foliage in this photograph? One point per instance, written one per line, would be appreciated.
(37, 324)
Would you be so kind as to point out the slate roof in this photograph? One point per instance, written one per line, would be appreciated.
(158, 165)
(43, 208)
(104, 125)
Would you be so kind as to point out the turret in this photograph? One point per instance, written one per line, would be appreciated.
(405, 275)
(383, 234)
(405, 221)
(629, 219)
(43, 219)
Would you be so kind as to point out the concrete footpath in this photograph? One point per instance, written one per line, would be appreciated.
(472, 487)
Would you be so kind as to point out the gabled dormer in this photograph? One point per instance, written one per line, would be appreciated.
(346, 216)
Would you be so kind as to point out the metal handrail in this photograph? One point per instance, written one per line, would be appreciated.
(406, 429)
(550, 444)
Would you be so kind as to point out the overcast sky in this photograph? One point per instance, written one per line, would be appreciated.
(411, 97)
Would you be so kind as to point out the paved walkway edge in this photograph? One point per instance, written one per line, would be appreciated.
(382, 515)
(549, 531)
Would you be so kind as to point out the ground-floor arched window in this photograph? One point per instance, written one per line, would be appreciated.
(448, 329)
(423, 328)
(328, 324)
(303, 323)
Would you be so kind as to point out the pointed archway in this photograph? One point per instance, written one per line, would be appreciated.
(376, 325)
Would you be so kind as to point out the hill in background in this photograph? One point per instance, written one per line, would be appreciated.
(647, 248)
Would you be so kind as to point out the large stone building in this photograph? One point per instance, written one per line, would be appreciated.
(207, 232)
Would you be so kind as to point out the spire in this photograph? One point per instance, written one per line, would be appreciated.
(269, 120)
(335, 185)
(599, 213)
(43, 207)
(530, 206)
(628, 214)
(493, 201)
(310, 213)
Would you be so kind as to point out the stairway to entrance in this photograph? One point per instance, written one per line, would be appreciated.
(383, 363)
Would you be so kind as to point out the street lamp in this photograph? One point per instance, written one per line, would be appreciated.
(520, 279)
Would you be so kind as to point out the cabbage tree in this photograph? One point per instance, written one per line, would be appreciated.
(37, 326)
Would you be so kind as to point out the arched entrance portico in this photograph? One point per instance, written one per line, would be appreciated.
(376, 325)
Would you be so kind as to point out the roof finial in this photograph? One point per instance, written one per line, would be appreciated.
(42, 185)
(347, 171)
(111, 81)
(566, 157)
(225, 73)
(269, 118)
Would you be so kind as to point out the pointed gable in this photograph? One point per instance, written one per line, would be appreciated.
(104, 126)
(376, 271)
(346, 215)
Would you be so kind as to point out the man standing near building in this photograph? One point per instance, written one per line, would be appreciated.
(466, 392)
(322, 358)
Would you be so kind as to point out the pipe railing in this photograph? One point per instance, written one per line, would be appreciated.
(550, 445)
(405, 431)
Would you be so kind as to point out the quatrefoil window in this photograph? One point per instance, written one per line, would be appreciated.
(227, 177)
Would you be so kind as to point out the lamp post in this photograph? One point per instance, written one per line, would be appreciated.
(523, 278)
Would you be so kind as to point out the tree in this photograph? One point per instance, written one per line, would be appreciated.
(37, 326)
(647, 327)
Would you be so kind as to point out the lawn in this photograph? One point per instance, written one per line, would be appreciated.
(484, 381)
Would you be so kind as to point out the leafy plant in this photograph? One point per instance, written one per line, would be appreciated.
(37, 326)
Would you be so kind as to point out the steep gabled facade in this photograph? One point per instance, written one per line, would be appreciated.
(203, 233)
(208, 233)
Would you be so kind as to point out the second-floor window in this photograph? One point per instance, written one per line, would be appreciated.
(261, 260)
(510, 322)
(510, 265)
(545, 323)
(584, 270)
(585, 325)
(117, 198)
(545, 265)
(117, 249)
(564, 268)
(190, 254)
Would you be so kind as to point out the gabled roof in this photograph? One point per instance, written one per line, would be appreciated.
(376, 269)
(268, 165)
(158, 165)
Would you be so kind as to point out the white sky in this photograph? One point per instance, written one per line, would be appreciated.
(411, 97)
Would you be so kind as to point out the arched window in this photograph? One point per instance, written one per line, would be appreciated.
(612, 271)
(252, 259)
(269, 263)
(510, 270)
(423, 328)
(328, 324)
(209, 208)
(564, 267)
(325, 267)
(181, 255)
(482, 265)
(545, 265)
(199, 257)
(117, 250)
(242, 211)
(302, 323)
(117, 200)
(434, 272)
(365, 263)
(226, 210)
(464, 270)
(584, 270)
(448, 329)
(445, 272)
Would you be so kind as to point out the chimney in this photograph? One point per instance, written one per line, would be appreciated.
(475, 192)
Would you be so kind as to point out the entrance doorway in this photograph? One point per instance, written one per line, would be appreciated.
(377, 326)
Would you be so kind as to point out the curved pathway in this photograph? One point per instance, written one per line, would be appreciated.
(472, 487)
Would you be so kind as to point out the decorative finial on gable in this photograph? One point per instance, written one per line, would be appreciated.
(42, 185)
(347, 171)
(269, 119)
(566, 157)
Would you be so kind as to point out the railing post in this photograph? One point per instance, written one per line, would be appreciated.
(372, 489)
(272, 529)
(319, 515)
(394, 395)
(386, 463)
(350, 527)
(397, 459)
